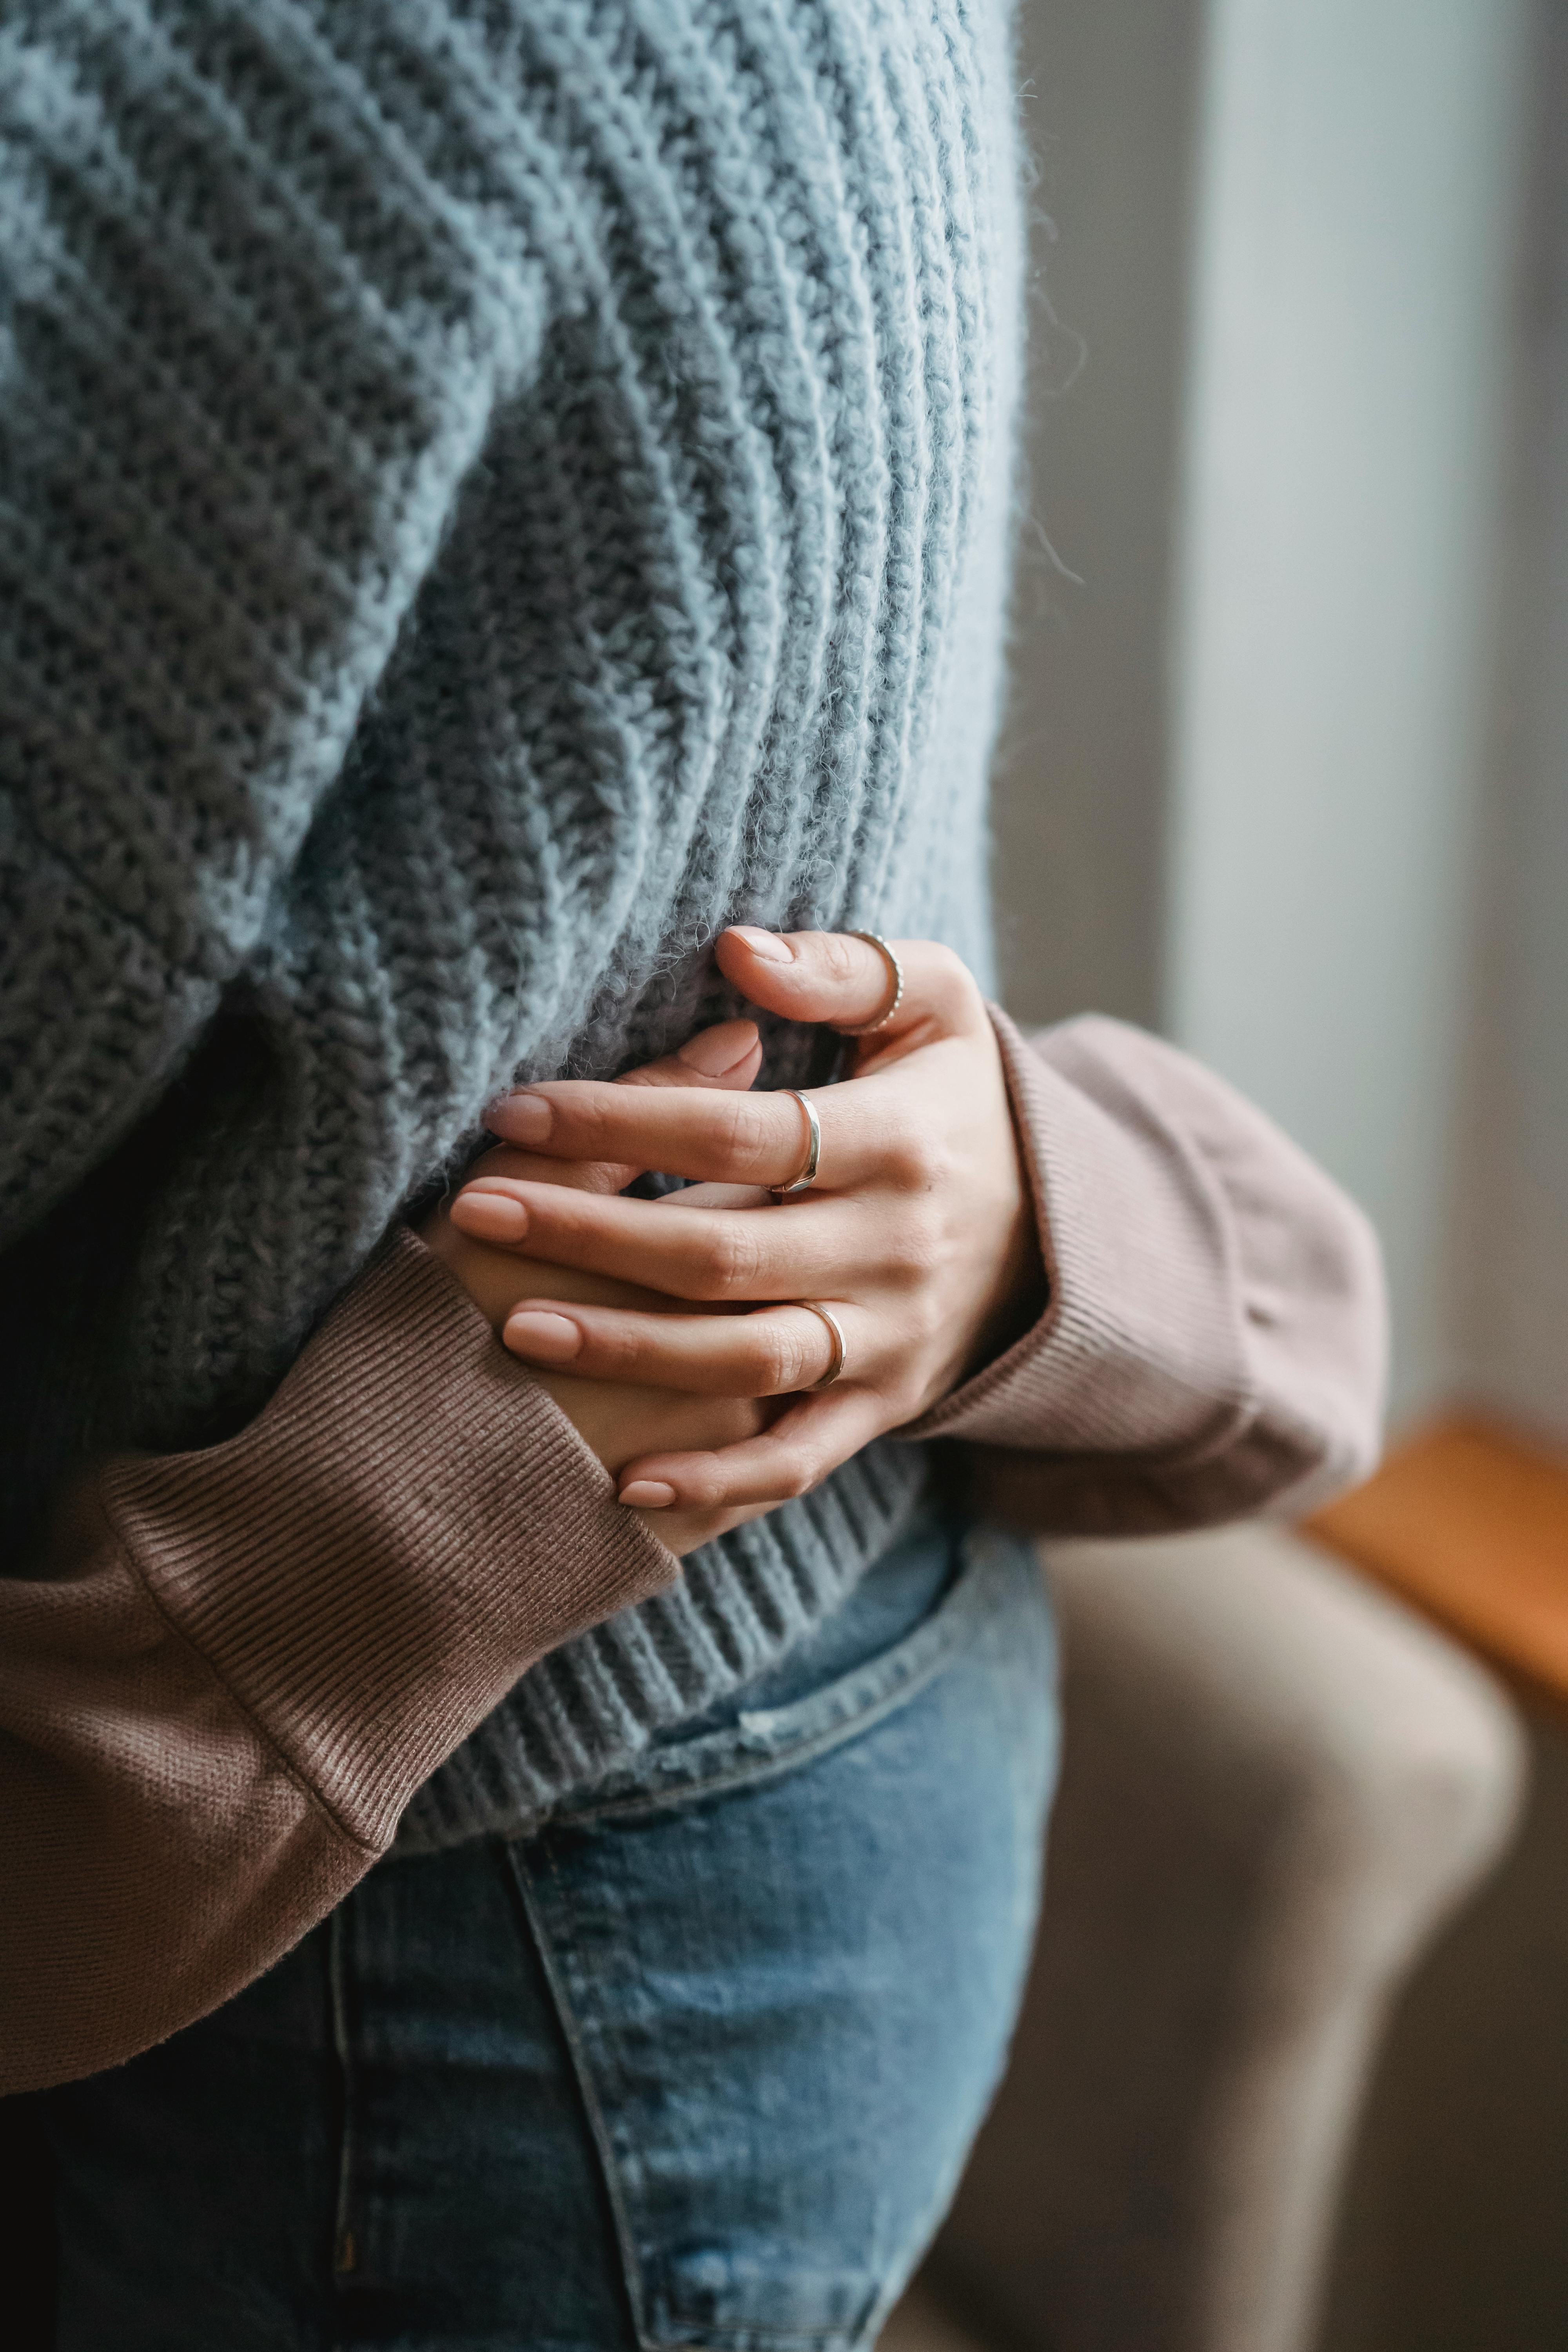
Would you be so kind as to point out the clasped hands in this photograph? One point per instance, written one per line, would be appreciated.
(668, 1330)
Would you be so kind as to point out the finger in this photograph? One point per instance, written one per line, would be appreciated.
(528, 1167)
(727, 1057)
(703, 1254)
(749, 1139)
(774, 1352)
(835, 977)
(721, 1196)
(729, 1054)
(788, 1459)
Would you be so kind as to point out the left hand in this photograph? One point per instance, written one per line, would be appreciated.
(918, 1233)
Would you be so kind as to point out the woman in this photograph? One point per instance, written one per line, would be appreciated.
(500, 500)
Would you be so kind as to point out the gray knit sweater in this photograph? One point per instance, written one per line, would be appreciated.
(489, 493)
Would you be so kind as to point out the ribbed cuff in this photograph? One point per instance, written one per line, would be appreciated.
(1140, 1348)
(408, 1526)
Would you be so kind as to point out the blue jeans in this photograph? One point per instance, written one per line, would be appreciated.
(696, 2065)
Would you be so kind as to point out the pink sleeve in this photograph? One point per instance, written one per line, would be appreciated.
(1215, 1338)
(230, 1669)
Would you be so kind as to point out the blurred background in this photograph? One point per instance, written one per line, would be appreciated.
(1288, 769)
(1286, 777)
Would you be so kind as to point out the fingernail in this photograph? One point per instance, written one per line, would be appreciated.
(766, 944)
(490, 1217)
(522, 1118)
(721, 1049)
(554, 1339)
(647, 1494)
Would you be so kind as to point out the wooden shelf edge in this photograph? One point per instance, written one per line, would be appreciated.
(1468, 1522)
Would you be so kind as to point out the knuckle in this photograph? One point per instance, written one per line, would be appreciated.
(618, 1354)
(926, 1238)
(840, 955)
(703, 1486)
(897, 1261)
(950, 979)
(913, 1243)
(906, 1153)
(927, 1322)
(801, 1463)
(581, 1117)
(796, 1476)
(730, 1255)
(913, 1258)
(750, 1133)
(778, 1358)
(584, 1128)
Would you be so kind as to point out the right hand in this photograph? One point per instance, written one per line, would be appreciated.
(617, 1420)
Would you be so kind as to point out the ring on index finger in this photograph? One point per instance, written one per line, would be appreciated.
(806, 1177)
(894, 984)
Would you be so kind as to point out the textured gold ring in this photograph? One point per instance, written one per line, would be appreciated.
(895, 981)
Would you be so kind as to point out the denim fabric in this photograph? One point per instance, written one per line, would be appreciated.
(696, 2065)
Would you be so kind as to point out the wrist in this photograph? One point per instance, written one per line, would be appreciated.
(1021, 1296)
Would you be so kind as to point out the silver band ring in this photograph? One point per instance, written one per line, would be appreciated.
(804, 1182)
(896, 978)
(835, 1335)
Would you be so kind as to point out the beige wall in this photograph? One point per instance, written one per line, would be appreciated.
(1511, 1244)
(1108, 112)
(1358, 215)
(1246, 793)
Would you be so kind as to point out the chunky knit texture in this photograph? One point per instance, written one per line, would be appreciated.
(491, 494)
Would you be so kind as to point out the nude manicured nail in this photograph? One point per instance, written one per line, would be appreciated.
(554, 1339)
(521, 1118)
(490, 1217)
(647, 1494)
(766, 944)
(718, 1050)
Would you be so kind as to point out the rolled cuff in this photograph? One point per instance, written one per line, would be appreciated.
(371, 1564)
(1137, 1351)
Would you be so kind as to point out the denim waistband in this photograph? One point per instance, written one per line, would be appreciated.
(771, 1728)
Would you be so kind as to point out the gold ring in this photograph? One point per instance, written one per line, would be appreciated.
(835, 1333)
(896, 978)
(808, 1176)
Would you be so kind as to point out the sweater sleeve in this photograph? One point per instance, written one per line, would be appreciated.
(232, 1668)
(1214, 1341)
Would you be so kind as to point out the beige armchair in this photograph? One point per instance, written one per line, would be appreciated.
(1278, 1784)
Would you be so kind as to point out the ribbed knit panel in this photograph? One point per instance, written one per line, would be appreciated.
(370, 1592)
(594, 1704)
(490, 492)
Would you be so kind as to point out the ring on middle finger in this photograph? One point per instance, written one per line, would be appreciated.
(806, 1177)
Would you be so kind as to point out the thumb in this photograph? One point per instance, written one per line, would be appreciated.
(727, 1056)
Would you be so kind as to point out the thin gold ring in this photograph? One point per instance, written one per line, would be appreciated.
(835, 1333)
(804, 1182)
(896, 978)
